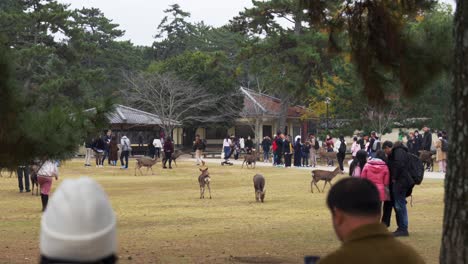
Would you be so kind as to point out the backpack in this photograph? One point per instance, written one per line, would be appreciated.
(444, 145)
(415, 168)
(376, 145)
(342, 148)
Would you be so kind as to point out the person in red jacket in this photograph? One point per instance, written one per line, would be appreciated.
(168, 150)
(376, 171)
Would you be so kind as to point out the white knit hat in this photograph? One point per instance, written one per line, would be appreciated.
(79, 223)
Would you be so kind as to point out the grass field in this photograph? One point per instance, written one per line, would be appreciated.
(161, 219)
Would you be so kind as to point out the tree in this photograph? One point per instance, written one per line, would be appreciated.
(455, 227)
(177, 102)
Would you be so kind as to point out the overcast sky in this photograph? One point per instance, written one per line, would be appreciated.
(139, 18)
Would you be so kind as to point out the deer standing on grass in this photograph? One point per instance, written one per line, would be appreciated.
(250, 159)
(145, 162)
(319, 175)
(204, 180)
(259, 185)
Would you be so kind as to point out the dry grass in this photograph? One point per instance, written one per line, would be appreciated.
(161, 219)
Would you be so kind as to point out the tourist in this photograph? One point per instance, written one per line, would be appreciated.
(47, 170)
(305, 153)
(297, 152)
(418, 138)
(376, 171)
(412, 144)
(151, 149)
(314, 147)
(157, 143)
(198, 147)
(79, 225)
(126, 146)
(242, 144)
(355, 208)
(355, 147)
(227, 146)
(397, 155)
(330, 146)
(23, 172)
(441, 155)
(113, 151)
(288, 151)
(107, 139)
(89, 150)
(266, 144)
(361, 141)
(340, 149)
(99, 148)
(280, 142)
(249, 145)
(168, 150)
(374, 144)
(358, 163)
(426, 139)
(274, 149)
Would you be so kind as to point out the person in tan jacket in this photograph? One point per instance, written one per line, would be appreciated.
(441, 155)
(355, 207)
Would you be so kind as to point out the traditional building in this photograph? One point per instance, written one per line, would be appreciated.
(259, 117)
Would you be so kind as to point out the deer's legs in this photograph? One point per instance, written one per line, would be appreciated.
(323, 190)
(202, 192)
(243, 164)
(152, 172)
(315, 183)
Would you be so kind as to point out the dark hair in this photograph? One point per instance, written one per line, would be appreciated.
(439, 134)
(341, 137)
(380, 154)
(354, 138)
(360, 160)
(355, 196)
(387, 144)
(107, 260)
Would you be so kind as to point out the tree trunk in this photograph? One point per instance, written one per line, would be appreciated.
(283, 115)
(454, 248)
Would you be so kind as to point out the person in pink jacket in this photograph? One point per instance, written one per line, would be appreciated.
(376, 171)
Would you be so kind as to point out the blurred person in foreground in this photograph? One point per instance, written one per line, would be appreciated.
(79, 225)
(356, 208)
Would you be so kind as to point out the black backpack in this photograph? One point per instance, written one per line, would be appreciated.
(415, 168)
(342, 148)
(444, 145)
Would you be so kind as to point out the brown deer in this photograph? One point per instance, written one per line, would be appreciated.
(145, 162)
(319, 175)
(250, 159)
(259, 185)
(204, 181)
(329, 156)
(427, 158)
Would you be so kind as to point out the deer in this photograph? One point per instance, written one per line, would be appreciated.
(204, 181)
(427, 159)
(330, 156)
(145, 162)
(259, 186)
(177, 153)
(327, 176)
(250, 159)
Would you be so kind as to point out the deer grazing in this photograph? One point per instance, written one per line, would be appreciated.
(329, 156)
(259, 185)
(145, 162)
(250, 159)
(204, 181)
(427, 159)
(319, 175)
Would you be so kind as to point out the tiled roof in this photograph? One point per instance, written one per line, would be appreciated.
(256, 104)
(128, 115)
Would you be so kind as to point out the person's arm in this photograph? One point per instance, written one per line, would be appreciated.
(386, 178)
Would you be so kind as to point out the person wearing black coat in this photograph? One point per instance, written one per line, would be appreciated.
(168, 150)
(99, 147)
(402, 183)
(427, 139)
(279, 149)
(413, 144)
(297, 152)
(249, 145)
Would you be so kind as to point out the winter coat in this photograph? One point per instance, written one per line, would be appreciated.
(440, 155)
(376, 171)
(266, 143)
(113, 150)
(329, 143)
(413, 146)
(98, 145)
(168, 146)
(125, 143)
(355, 148)
(107, 140)
(157, 143)
(279, 146)
(398, 165)
(287, 146)
(427, 141)
(249, 144)
(198, 145)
